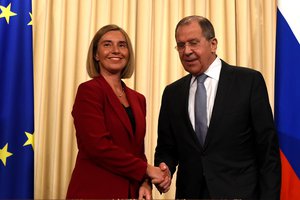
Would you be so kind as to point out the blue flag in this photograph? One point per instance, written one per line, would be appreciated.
(287, 95)
(16, 100)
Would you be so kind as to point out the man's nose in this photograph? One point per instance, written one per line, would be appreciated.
(187, 50)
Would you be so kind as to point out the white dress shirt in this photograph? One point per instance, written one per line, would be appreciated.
(211, 85)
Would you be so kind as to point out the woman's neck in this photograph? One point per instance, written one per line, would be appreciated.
(115, 83)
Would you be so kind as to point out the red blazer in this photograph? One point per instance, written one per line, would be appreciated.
(111, 162)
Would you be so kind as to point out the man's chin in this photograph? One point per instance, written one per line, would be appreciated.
(193, 69)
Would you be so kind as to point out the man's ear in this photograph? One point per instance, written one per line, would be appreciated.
(214, 45)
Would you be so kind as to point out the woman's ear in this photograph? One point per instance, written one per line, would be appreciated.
(96, 57)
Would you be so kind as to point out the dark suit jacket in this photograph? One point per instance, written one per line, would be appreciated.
(111, 162)
(240, 157)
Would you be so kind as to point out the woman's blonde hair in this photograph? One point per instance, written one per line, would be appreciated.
(92, 65)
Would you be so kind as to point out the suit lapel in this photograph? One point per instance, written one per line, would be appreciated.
(225, 82)
(185, 101)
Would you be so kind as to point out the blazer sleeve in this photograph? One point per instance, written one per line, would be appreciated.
(267, 147)
(95, 141)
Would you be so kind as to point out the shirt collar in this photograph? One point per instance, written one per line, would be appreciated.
(213, 70)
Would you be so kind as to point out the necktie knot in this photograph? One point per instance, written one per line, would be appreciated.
(201, 78)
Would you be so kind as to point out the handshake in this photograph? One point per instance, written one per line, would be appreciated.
(160, 177)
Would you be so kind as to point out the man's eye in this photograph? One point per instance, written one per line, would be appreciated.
(194, 43)
(180, 45)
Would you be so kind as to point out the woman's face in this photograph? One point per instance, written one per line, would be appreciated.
(112, 53)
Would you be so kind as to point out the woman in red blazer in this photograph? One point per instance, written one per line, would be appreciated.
(110, 125)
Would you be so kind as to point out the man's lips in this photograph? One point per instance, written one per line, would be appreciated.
(190, 61)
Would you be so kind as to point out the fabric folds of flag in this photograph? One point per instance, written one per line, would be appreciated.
(16, 100)
(287, 95)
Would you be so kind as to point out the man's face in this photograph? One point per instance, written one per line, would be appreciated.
(195, 51)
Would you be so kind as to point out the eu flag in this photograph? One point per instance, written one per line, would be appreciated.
(16, 100)
(287, 95)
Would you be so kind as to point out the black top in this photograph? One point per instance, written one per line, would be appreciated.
(131, 117)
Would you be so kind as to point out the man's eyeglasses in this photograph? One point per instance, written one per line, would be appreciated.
(193, 45)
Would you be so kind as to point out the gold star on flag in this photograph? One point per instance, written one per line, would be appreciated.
(30, 140)
(30, 23)
(6, 13)
(4, 154)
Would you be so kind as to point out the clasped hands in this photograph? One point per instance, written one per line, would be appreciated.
(160, 177)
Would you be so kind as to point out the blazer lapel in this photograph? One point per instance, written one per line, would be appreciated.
(138, 113)
(117, 107)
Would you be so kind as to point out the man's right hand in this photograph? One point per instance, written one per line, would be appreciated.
(165, 185)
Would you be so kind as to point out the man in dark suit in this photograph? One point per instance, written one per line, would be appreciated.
(239, 155)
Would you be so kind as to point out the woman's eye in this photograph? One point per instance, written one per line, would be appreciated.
(123, 45)
(107, 44)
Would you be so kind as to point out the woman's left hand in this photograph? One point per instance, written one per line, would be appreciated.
(145, 191)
